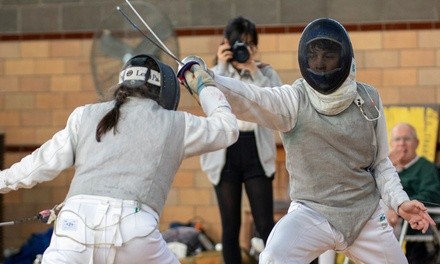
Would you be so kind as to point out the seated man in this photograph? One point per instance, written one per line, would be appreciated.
(419, 178)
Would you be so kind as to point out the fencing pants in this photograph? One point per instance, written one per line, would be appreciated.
(303, 234)
(95, 229)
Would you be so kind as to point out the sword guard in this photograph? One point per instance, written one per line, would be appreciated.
(186, 65)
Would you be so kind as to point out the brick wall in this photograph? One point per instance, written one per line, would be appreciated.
(41, 81)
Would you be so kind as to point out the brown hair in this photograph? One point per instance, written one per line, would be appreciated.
(324, 44)
(121, 95)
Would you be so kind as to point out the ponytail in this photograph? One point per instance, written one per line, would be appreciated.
(110, 120)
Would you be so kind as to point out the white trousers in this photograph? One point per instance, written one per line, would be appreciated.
(95, 229)
(303, 234)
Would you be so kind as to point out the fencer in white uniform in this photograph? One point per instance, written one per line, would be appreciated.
(125, 153)
(334, 134)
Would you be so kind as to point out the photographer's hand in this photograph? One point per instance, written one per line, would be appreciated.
(250, 66)
(224, 53)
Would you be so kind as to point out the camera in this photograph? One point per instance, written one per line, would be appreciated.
(240, 52)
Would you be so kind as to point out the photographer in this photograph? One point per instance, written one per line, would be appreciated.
(251, 160)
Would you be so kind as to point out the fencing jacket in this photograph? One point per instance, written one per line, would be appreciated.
(338, 165)
(139, 160)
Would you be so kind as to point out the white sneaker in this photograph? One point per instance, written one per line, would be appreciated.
(257, 244)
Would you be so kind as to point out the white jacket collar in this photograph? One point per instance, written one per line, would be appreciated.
(338, 101)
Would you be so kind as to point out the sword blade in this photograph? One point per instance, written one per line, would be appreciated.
(147, 26)
(165, 50)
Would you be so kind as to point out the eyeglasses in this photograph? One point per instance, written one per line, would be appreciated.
(248, 43)
(404, 139)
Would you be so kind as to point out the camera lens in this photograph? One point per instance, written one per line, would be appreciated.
(240, 52)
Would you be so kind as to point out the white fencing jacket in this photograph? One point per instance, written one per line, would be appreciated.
(139, 160)
(338, 165)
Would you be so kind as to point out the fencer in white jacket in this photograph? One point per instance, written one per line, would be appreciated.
(334, 134)
(123, 169)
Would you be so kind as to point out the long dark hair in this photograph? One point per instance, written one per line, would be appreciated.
(238, 29)
(121, 95)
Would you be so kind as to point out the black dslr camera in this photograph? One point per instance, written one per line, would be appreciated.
(240, 52)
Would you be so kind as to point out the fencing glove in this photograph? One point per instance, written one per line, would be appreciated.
(197, 78)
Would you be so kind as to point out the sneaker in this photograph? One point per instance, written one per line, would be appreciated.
(257, 244)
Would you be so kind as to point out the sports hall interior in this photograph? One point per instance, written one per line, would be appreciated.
(46, 71)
